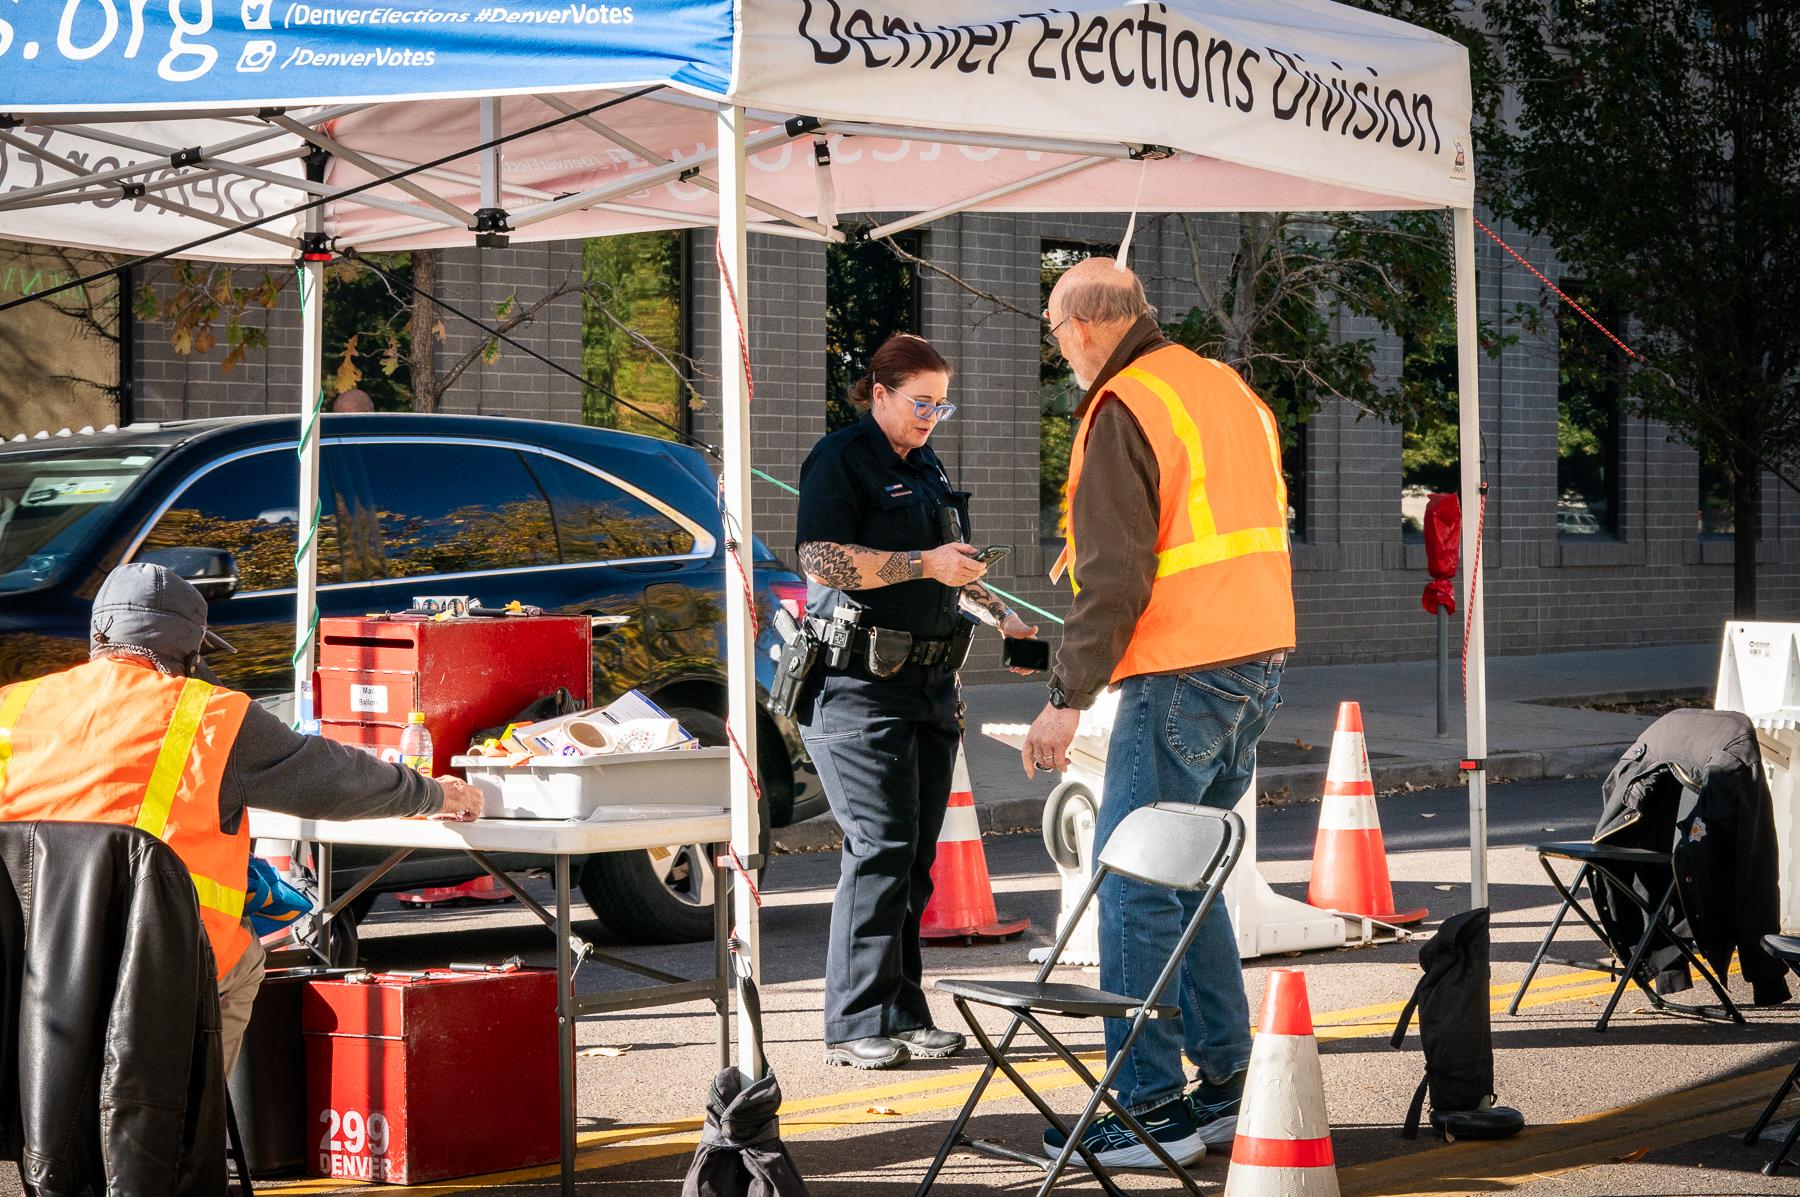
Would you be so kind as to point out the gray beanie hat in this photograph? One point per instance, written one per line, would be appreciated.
(149, 607)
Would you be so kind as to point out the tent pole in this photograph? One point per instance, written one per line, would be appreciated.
(1468, 389)
(306, 563)
(734, 403)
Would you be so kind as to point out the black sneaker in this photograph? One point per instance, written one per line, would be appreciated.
(1214, 1109)
(1170, 1124)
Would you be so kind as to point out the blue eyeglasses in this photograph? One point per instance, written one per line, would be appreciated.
(925, 409)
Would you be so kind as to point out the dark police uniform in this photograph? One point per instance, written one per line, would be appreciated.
(884, 747)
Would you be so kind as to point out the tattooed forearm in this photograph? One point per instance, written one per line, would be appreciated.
(981, 602)
(899, 567)
(829, 564)
(853, 567)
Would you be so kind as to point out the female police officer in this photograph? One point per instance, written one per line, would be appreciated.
(882, 540)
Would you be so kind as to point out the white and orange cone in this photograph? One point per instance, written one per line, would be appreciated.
(962, 896)
(1349, 866)
(1283, 1144)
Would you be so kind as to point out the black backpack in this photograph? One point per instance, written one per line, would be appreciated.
(1452, 1003)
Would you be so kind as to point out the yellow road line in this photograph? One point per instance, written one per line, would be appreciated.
(618, 1146)
(1497, 1166)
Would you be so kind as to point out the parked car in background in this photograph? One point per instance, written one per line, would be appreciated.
(1572, 522)
(624, 529)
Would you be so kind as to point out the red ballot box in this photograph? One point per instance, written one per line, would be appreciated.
(393, 1062)
(465, 673)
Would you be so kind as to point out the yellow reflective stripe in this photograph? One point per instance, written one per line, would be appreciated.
(1200, 514)
(171, 759)
(11, 707)
(1220, 548)
(213, 896)
(1209, 546)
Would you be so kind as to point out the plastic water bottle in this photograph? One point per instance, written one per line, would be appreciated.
(415, 744)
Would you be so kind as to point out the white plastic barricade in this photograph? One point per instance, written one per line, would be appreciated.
(1759, 674)
(1265, 922)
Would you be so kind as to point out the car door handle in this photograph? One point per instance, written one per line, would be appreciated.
(609, 621)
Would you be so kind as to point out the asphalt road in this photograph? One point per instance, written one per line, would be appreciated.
(1676, 1091)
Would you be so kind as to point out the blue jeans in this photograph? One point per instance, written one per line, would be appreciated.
(1188, 737)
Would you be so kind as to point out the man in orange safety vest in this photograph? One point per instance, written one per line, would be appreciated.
(140, 735)
(1177, 550)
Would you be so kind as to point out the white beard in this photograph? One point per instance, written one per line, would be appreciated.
(1083, 383)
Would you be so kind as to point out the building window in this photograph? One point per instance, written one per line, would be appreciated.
(871, 293)
(1058, 395)
(1293, 467)
(1718, 507)
(1589, 388)
(634, 334)
(1430, 448)
(64, 360)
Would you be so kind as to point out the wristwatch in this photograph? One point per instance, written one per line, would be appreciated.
(1058, 699)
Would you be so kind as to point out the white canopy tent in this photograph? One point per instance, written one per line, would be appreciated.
(127, 127)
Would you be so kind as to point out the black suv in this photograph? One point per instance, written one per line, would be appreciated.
(622, 528)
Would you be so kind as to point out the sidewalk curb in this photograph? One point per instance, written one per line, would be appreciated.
(1292, 783)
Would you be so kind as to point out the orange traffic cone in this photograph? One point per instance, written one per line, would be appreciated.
(962, 897)
(1349, 866)
(1283, 1144)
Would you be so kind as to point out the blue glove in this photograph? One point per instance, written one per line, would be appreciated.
(270, 901)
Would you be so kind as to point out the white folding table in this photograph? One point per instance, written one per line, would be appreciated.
(559, 840)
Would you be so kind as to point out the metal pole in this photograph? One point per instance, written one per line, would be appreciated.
(312, 400)
(740, 638)
(306, 558)
(1468, 389)
(1443, 676)
(565, 1025)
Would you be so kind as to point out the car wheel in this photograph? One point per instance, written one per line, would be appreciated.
(645, 897)
(664, 896)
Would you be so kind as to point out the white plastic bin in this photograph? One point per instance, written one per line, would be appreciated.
(1759, 675)
(622, 786)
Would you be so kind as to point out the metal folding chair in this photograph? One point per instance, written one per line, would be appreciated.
(1604, 865)
(1785, 948)
(1176, 845)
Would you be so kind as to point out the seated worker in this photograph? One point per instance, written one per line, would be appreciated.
(138, 735)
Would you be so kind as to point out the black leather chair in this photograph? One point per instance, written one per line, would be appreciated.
(108, 1002)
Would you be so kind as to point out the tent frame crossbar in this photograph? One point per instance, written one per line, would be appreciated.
(206, 153)
(217, 169)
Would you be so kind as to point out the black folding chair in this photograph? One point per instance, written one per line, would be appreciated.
(1785, 948)
(1603, 865)
(1176, 845)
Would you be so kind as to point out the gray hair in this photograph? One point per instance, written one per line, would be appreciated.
(1104, 297)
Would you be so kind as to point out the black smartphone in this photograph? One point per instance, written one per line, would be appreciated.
(993, 553)
(1025, 654)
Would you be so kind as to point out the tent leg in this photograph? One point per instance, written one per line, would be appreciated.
(306, 566)
(734, 403)
(1468, 389)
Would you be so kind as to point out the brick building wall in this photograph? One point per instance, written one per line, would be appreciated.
(1357, 582)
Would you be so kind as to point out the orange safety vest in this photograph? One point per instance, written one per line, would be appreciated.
(116, 742)
(1224, 585)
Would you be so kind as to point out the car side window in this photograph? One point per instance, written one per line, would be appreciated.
(249, 507)
(436, 507)
(599, 521)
